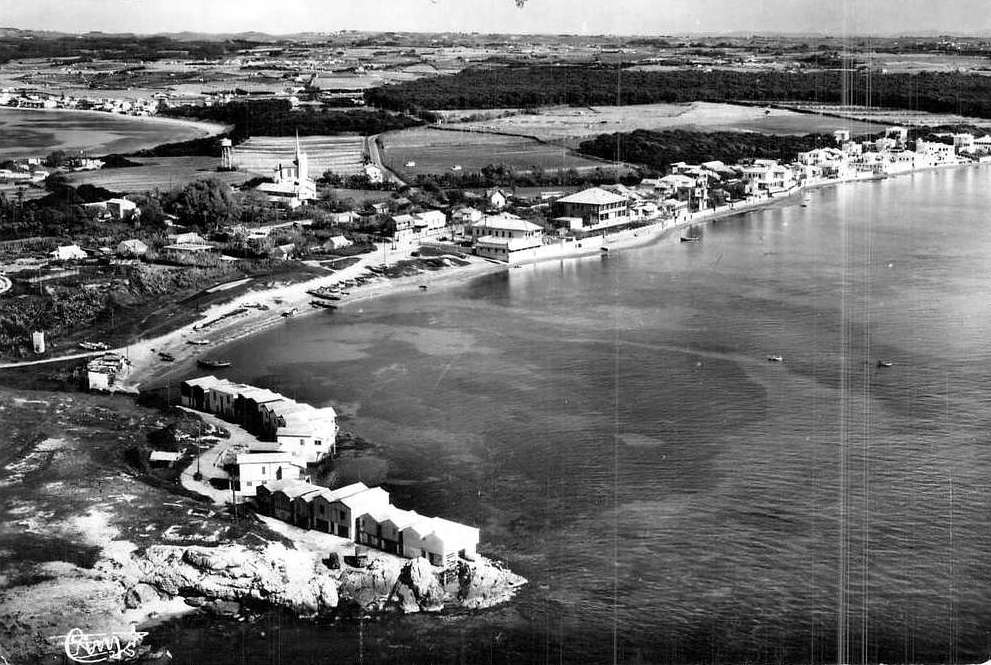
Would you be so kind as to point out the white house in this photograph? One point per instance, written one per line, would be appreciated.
(255, 469)
(595, 206)
(497, 199)
(374, 174)
(68, 253)
(122, 209)
(505, 237)
(106, 371)
(337, 242)
(438, 540)
(320, 506)
(132, 247)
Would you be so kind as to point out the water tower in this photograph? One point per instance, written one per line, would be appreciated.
(227, 155)
(38, 341)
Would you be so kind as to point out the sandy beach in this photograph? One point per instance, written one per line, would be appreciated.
(149, 369)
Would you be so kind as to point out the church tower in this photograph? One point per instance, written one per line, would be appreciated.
(301, 161)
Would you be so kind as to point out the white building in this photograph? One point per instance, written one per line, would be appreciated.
(68, 253)
(597, 207)
(255, 469)
(505, 237)
(107, 371)
(132, 247)
(293, 186)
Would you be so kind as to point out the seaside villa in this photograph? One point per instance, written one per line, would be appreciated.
(506, 237)
(596, 207)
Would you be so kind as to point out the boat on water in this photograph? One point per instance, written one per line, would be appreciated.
(884, 363)
(690, 238)
(198, 342)
(775, 359)
(423, 287)
(94, 346)
(213, 364)
(167, 357)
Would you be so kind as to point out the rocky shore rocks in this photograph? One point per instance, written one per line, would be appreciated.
(299, 581)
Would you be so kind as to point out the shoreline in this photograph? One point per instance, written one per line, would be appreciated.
(147, 368)
(202, 130)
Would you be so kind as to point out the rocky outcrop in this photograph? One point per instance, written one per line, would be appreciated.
(299, 581)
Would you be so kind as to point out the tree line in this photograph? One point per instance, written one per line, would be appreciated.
(659, 149)
(532, 86)
(277, 117)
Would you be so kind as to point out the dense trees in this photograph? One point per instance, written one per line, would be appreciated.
(206, 204)
(276, 117)
(659, 149)
(531, 86)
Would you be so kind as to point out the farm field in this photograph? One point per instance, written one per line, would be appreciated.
(162, 173)
(571, 124)
(439, 151)
(260, 155)
(876, 117)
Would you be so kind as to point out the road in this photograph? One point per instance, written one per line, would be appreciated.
(372, 149)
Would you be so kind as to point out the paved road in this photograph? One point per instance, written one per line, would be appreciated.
(73, 356)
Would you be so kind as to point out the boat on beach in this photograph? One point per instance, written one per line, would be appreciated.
(167, 357)
(289, 313)
(323, 304)
(213, 364)
(198, 342)
(94, 346)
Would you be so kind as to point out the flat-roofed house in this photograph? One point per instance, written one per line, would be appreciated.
(345, 511)
(438, 540)
(596, 206)
(504, 237)
(257, 469)
(309, 435)
(323, 501)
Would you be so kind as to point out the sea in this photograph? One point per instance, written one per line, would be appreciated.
(616, 429)
(36, 133)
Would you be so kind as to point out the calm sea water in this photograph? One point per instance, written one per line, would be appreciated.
(614, 427)
(29, 133)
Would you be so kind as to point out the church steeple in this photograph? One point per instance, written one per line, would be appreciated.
(302, 163)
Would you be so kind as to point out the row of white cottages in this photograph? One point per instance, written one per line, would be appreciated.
(298, 433)
(364, 515)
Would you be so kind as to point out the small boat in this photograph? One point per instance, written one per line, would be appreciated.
(198, 342)
(322, 304)
(93, 346)
(289, 313)
(213, 364)
(690, 238)
(167, 357)
(423, 287)
(775, 359)
(884, 363)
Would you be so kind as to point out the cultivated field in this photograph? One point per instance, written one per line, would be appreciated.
(439, 151)
(162, 173)
(260, 155)
(571, 124)
(876, 118)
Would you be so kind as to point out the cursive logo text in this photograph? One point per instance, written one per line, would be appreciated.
(83, 647)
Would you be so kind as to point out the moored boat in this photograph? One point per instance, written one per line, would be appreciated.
(167, 357)
(884, 363)
(198, 342)
(94, 346)
(213, 364)
(690, 238)
(775, 359)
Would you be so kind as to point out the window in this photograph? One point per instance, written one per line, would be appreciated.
(248, 484)
(317, 442)
(263, 471)
(302, 442)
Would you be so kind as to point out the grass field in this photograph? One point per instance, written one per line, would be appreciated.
(162, 173)
(572, 124)
(260, 155)
(878, 118)
(438, 151)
